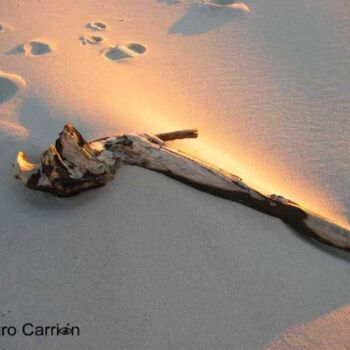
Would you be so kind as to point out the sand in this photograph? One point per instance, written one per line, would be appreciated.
(148, 263)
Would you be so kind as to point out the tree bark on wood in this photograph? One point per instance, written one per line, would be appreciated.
(74, 165)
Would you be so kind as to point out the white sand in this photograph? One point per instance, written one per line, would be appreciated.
(147, 263)
(330, 331)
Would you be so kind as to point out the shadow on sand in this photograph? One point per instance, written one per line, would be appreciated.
(18, 50)
(170, 2)
(203, 18)
(347, 209)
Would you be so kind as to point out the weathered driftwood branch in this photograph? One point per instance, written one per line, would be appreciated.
(74, 165)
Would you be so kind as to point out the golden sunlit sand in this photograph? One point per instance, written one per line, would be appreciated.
(150, 92)
(330, 331)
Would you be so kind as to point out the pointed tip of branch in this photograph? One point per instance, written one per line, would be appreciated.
(23, 165)
(177, 135)
(194, 133)
(70, 130)
(71, 137)
(23, 169)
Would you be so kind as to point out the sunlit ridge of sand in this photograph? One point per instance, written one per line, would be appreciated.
(257, 178)
(330, 331)
(253, 172)
(139, 107)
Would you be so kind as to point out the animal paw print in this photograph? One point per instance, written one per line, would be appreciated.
(118, 52)
(91, 40)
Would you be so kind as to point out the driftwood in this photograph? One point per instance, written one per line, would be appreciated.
(73, 165)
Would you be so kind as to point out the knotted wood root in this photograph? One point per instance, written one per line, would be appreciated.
(74, 165)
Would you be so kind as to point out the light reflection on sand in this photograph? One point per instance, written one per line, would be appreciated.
(222, 80)
(232, 157)
(142, 107)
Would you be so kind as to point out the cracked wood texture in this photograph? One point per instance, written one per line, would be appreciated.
(74, 165)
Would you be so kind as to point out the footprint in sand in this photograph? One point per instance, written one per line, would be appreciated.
(123, 52)
(38, 47)
(35, 47)
(97, 26)
(9, 86)
(91, 40)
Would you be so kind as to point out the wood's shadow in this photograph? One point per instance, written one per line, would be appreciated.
(169, 2)
(327, 249)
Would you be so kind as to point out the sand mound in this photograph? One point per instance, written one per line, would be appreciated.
(38, 47)
(330, 331)
(122, 52)
(9, 86)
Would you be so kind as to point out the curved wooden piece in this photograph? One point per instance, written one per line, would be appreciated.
(74, 165)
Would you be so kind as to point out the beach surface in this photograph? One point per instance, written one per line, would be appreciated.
(146, 262)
